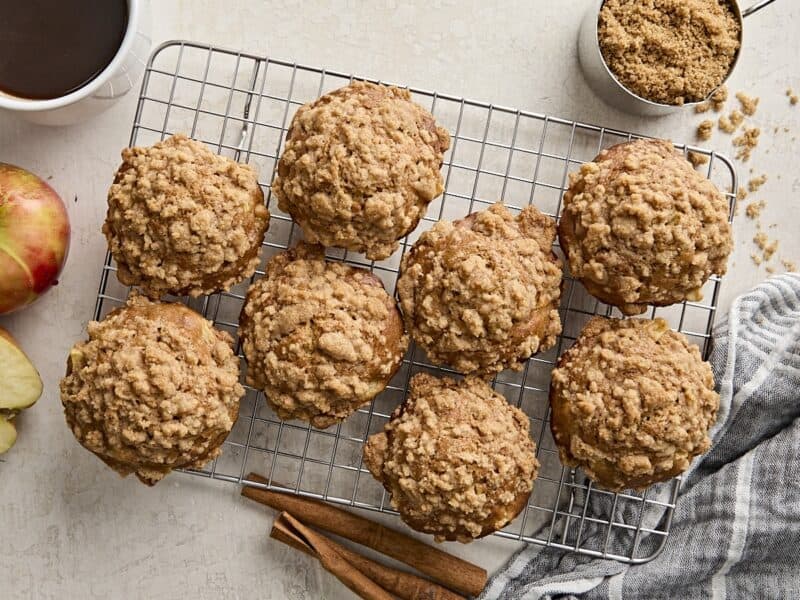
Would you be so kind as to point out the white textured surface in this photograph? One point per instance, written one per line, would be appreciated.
(69, 527)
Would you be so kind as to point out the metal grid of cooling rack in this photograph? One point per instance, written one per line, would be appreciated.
(241, 105)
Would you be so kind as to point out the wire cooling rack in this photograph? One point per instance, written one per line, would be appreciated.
(241, 105)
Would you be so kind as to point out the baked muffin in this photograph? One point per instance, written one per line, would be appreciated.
(154, 388)
(640, 226)
(632, 403)
(182, 220)
(360, 166)
(321, 338)
(481, 294)
(457, 459)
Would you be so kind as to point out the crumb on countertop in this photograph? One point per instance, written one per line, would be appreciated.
(769, 247)
(754, 209)
(704, 129)
(789, 265)
(741, 194)
(730, 123)
(756, 258)
(719, 98)
(749, 104)
(793, 98)
(756, 182)
(746, 143)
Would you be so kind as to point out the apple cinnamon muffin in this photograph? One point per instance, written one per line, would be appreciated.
(360, 166)
(154, 388)
(457, 459)
(632, 403)
(321, 338)
(183, 220)
(640, 226)
(481, 294)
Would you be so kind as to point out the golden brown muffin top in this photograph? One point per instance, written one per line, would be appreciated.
(183, 220)
(321, 338)
(457, 459)
(632, 402)
(669, 51)
(360, 166)
(640, 226)
(481, 294)
(155, 387)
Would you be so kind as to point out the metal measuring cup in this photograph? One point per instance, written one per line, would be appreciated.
(607, 86)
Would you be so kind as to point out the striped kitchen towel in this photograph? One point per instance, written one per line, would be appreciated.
(736, 528)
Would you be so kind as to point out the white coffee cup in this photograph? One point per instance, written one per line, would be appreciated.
(113, 82)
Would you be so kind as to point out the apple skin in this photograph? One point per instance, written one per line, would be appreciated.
(34, 237)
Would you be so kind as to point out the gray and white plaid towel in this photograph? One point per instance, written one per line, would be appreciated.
(736, 528)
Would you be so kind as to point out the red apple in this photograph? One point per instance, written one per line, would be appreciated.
(34, 237)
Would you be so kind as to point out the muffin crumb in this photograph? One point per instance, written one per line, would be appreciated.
(697, 159)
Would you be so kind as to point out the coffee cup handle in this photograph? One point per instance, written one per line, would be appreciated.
(756, 7)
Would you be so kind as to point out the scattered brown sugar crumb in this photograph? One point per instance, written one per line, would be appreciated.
(669, 51)
(719, 98)
(754, 209)
(770, 269)
(731, 123)
(789, 265)
(746, 143)
(748, 103)
(741, 194)
(702, 107)
(768, 246)
(756, 258)
(704, 129)
(756, 182)
(792, 96)
(697, 159)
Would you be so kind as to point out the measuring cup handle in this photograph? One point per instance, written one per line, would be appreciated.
(756, 7)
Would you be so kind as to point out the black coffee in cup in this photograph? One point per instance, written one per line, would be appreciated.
(49, 48)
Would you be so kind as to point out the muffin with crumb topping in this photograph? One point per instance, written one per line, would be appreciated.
(154, 388)
(360, 166)
(182, 220)
(321, 338)
(641, 227)
(481, 294)
(632, 403)
(456, 458)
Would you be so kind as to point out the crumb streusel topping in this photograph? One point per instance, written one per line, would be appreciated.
(482, 294)
(640, 226)
(321, 338)
(154, 388)
(360, 166)
(457, 459)
(183, 220)
(669, 51)
(632, 402)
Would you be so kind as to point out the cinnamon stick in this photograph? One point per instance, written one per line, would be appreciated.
(444, 568)
(404, 585)
(334, 563)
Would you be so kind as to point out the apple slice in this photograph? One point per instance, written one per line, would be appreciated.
(22, 385)
(8, 435)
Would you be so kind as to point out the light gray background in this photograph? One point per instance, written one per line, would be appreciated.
(69, 527)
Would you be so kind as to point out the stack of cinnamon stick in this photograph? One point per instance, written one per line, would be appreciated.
(370, 579)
